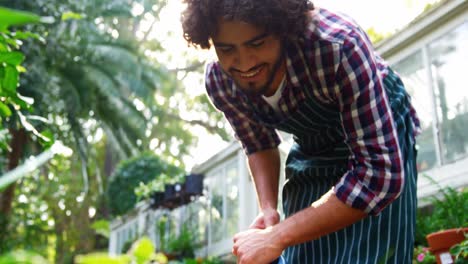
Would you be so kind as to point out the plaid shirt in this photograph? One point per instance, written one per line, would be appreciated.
(348, 74)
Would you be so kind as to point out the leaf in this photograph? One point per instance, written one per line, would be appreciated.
(143, 249)
(71, 15)
(26, 35)
(10, 17)
(20, 68)
(4, 110)
(101, 258)
(102, 227)
(10, 79)
(47, 139)
(13, 58)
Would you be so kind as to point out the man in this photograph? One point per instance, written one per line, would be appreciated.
(350, 190)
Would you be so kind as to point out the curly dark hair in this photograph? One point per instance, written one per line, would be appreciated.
(280, 17)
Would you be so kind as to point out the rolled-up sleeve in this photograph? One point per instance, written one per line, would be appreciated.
(375, 175)
(253, 135)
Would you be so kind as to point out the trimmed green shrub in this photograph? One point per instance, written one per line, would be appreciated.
(129, 175)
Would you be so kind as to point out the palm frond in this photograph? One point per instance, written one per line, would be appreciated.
(115, 142)
(112, 56)
(82, 147)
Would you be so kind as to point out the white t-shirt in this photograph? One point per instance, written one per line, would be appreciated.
(273, 99)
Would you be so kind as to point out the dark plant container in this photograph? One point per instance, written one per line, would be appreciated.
(179, 189)
(173, 196)
(182, 197)
(194, 184)
(169, 191)
(157, 199)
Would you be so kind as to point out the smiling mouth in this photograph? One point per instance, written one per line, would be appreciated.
(252, 73)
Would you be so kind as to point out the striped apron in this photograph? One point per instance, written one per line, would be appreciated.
(318, 159)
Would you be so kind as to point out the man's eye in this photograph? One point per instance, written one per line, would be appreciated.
(257, 43)
(225, 49)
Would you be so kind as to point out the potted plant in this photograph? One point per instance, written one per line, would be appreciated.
(440, 243)
(460, 251)
(445, 223)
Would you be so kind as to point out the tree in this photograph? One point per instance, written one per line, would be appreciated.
(92, 78)
(11, 102)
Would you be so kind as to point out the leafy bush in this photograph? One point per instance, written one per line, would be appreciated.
(448, 210)
(129, 175)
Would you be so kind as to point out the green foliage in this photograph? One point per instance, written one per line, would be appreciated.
(448, 210)
(161, 231)
(23, 257)
(71, 15)
(375, 36)
(423, 255)
(102, 258)
(142, 251)
(10, 17)
(130, 174)
(29, 228)
(87, 75)
(209, 260)
(11, 102)
(144, 191)
(460, 251)
(101, 227)
(183, 244)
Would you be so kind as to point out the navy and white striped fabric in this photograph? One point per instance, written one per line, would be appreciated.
(311, 172)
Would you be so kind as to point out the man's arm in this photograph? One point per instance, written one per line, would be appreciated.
(326, 215)
(265, 167)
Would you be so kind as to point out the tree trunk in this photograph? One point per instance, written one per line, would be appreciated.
(60, 241)
(18, 141)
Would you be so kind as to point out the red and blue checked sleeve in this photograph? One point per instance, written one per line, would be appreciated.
(375, 175)
(253, 135)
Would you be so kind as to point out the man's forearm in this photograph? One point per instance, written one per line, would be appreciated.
(264, 167)
(326, 215)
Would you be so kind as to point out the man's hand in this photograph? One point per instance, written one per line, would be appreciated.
(266, 218)
(259, 246)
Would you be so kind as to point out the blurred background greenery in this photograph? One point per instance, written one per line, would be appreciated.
(89, 74)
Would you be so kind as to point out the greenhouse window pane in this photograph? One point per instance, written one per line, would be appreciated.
(449, 66)
(414, 75)
(216, 191)
(232, 198)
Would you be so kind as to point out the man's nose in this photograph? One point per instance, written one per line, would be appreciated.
(245, 60)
